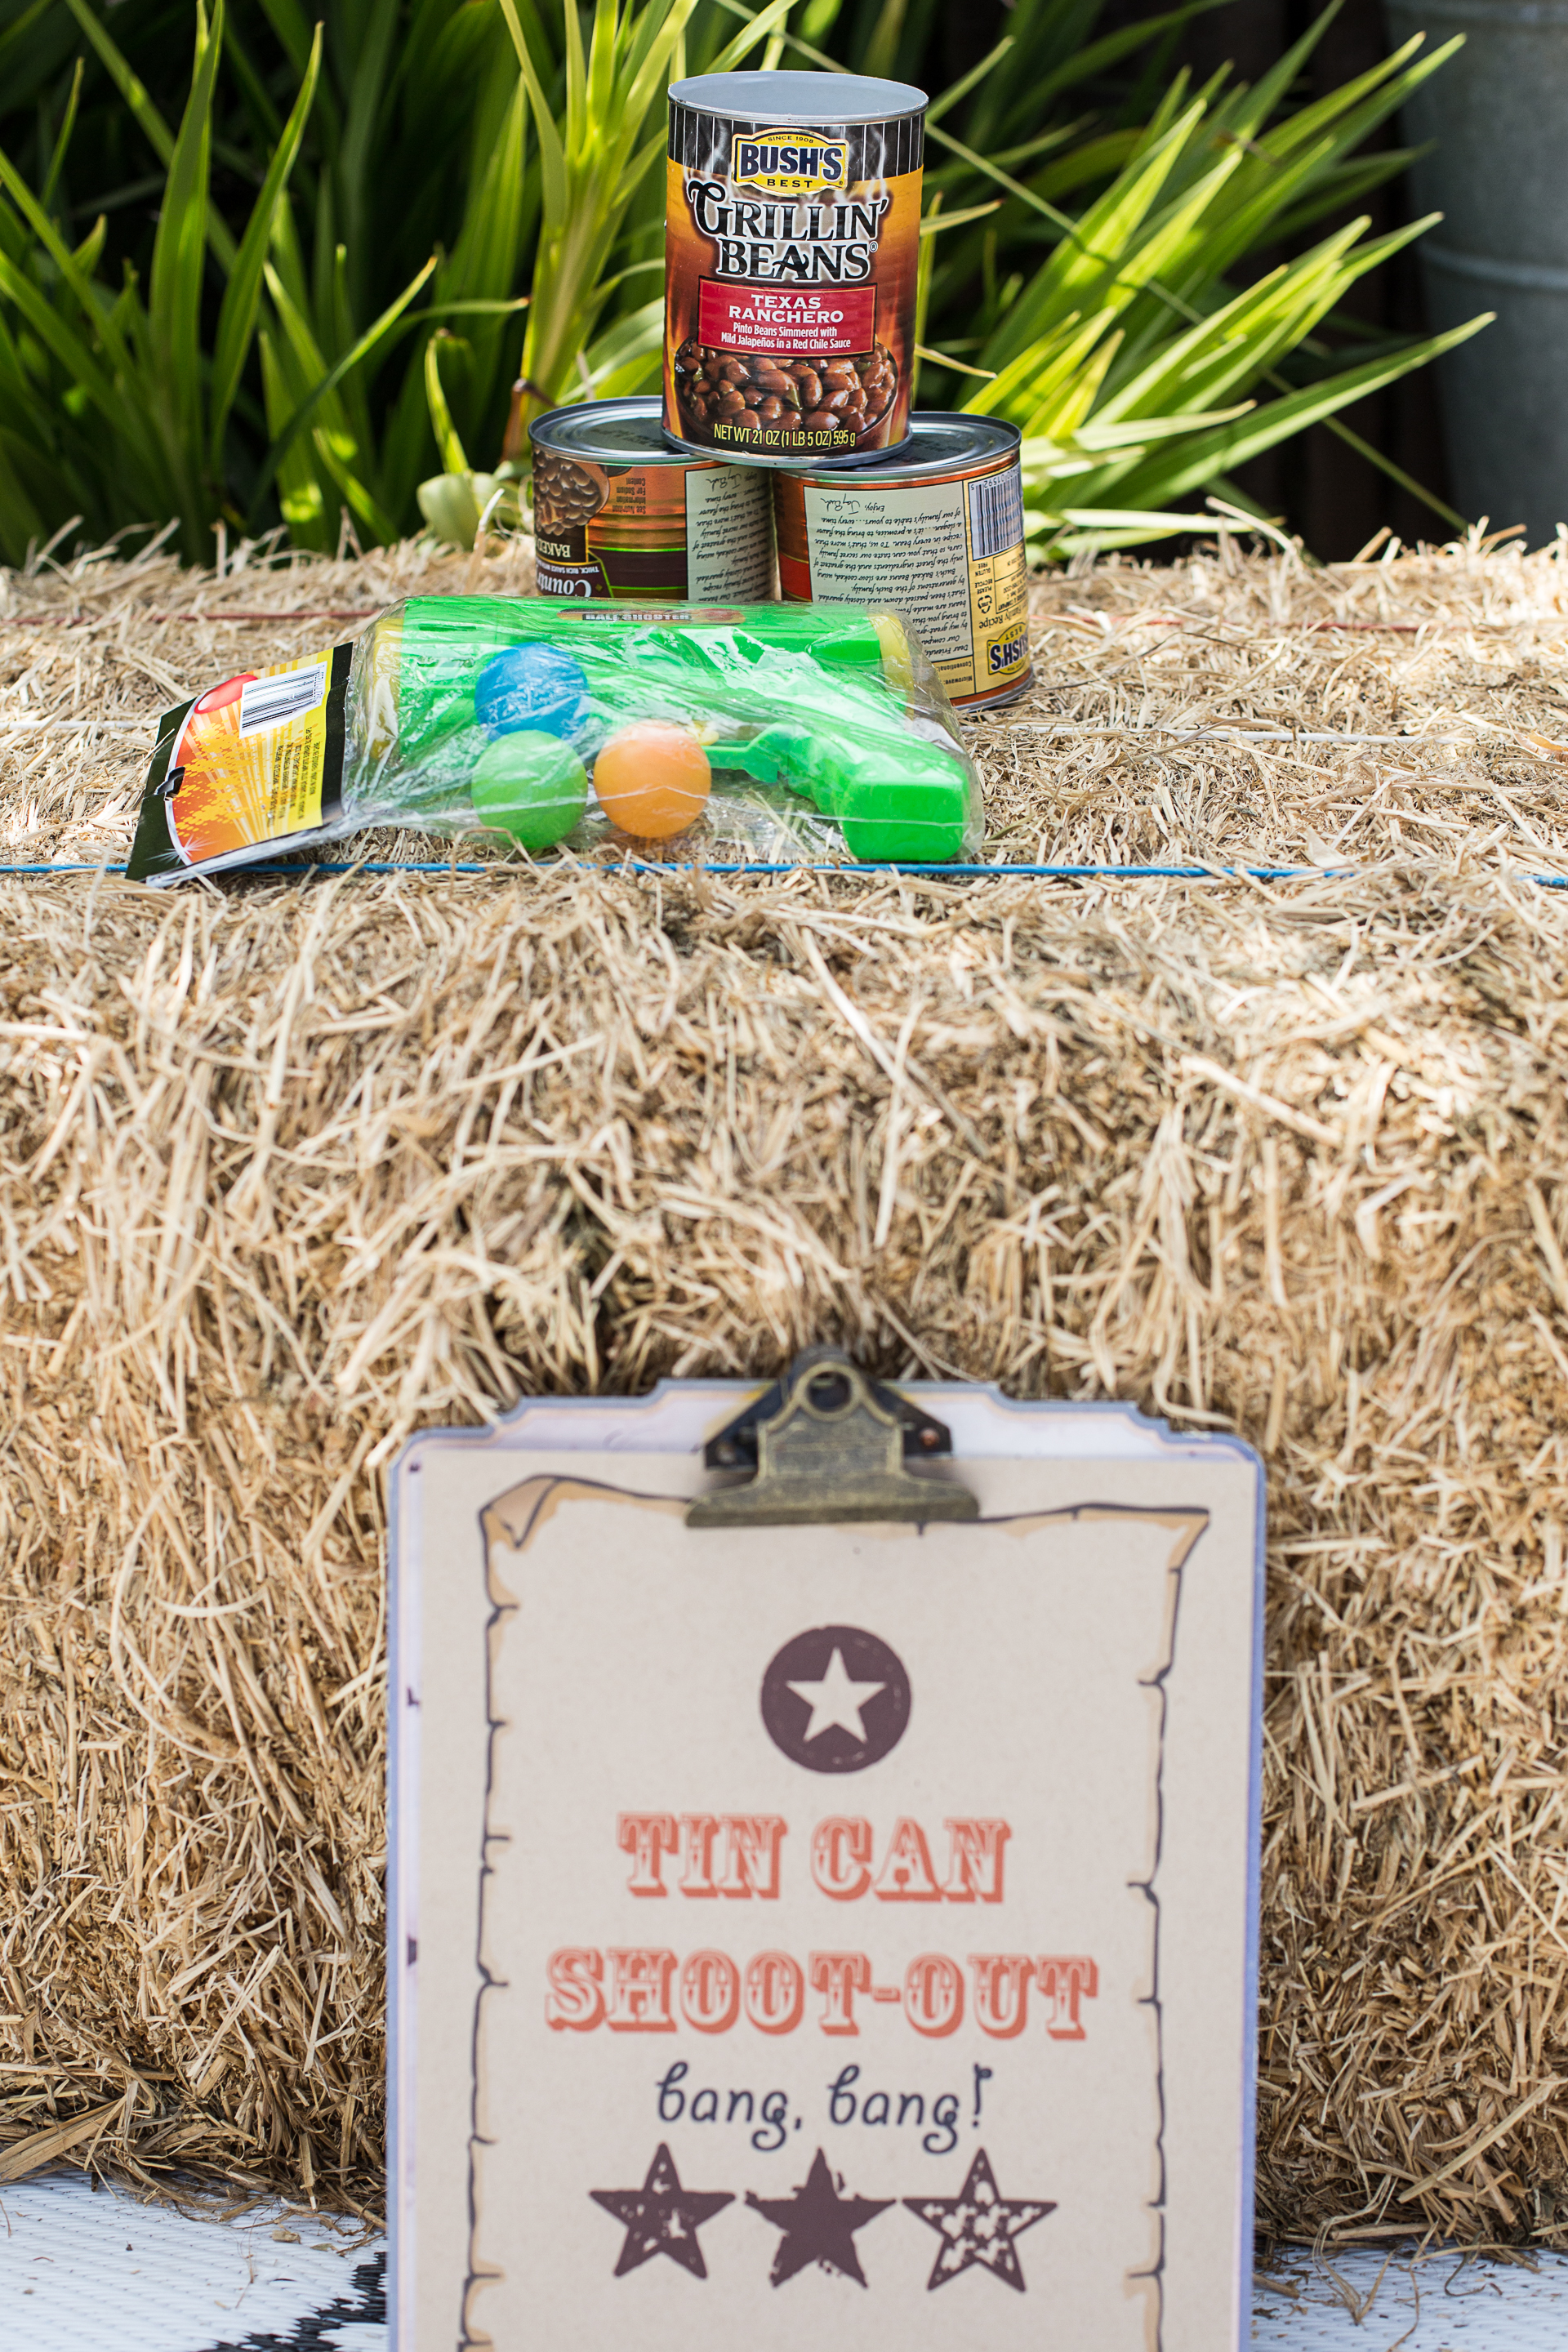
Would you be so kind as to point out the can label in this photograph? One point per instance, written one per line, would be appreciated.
(946, 555)
(695, 534)
(791, 258)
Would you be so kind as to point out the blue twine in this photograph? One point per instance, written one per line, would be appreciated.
(285, 868)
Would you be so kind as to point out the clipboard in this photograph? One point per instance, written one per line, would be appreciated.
(823, 1875)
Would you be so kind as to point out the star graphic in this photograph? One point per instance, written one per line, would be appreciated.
(835, 1701)
(661, 2217)
(978, 2226)
(818, 2224)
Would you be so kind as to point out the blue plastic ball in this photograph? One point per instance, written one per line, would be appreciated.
(531, 687)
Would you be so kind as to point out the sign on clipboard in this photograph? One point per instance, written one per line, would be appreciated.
(823, 1880)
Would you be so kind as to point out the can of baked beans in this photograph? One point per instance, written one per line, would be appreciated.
(792, 246)
(618, 513)
(935, 535)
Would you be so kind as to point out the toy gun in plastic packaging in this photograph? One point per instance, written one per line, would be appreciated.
(538, 719)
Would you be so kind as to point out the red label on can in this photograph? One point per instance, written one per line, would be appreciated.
(825, 324)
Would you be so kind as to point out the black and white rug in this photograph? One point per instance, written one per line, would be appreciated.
(86, 2270)
(90, 2269)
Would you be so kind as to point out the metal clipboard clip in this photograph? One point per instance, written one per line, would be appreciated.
(830, 1445)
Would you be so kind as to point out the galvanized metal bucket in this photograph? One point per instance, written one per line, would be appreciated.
(1497, 117)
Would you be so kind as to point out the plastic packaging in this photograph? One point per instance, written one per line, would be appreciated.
(771, 732)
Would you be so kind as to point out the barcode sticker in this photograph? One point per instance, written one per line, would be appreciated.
(996, 514)
(273, 701)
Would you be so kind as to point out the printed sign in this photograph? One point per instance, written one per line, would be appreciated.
(817, 1935)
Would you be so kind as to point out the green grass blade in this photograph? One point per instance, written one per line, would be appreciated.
(1188, 469)
(1122, 244)
(363, 350)
(62, 138)
(765, 21)
(75, 356)
(1237, 341)
(75, 277)
(16, 46)
(1143, 432)
(300, 494)
(179, 257)
(625, 358)
(356, 495)
(88, 253)
(1108, 527)
(641, 160)
(604, 54)
(925, 263)
(936, 221)
(124, 425)
(1368, 99)
(958, 90)
(577, 75)
(1096, 56)
(1386, 465)
(237, 320)
(552, 155)
(646, 86)
(158, 134)
(361, 123)
(486, 254)
(454, 456)
(129, 84)
(1030, 388)
(1343, 186)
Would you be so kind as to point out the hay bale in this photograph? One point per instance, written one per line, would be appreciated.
(286, 1173)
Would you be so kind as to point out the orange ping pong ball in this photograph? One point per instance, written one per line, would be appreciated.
(652, 779)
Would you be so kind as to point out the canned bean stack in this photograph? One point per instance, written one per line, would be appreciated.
(618, 513)
(792, 244)
(936, 535)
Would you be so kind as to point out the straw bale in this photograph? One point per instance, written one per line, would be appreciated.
(1460, 657)
(286, 1171)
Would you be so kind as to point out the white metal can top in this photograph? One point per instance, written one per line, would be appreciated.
(941, 442)
(799, 97)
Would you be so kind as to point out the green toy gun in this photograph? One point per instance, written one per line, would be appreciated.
(457, 711)
(816, 698)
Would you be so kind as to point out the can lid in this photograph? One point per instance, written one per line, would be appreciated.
(806, 98)
(610, 432)
(940, 441)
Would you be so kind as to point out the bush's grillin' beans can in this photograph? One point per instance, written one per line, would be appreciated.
(617, 513)
(935, 535)
(792, 243)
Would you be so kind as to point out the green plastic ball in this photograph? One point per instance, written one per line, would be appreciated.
(531, 785)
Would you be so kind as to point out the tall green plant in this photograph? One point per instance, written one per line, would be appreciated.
(1159, 397)
(599, 161)
(1128, 357)
(595, 158)
(290, 278)
(109, 406)
(316, 377)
